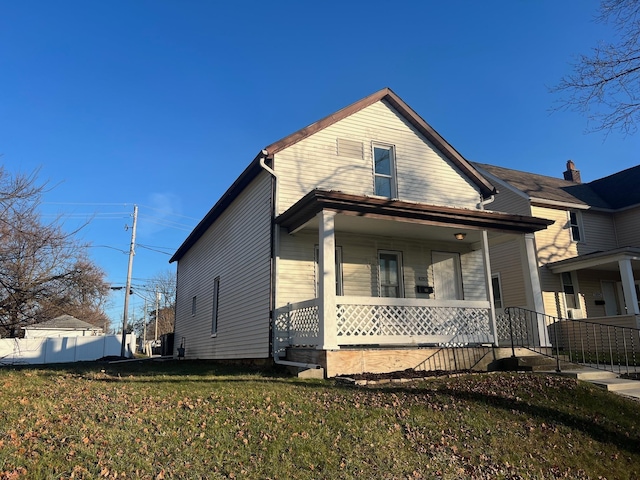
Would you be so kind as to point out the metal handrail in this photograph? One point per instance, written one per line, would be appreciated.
(613, 348)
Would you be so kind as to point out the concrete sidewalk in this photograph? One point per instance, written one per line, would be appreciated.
(608, 380)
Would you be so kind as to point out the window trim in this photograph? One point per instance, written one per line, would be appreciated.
(194, 305)
(574, 285)
(215, 307)
(392, 176)
(577, 225)
(400, 272)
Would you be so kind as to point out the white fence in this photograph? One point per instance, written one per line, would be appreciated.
(21, 351)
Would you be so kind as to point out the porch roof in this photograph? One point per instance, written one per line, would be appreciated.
(420, 213)
(603, 260)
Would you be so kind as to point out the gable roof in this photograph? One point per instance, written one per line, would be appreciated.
(387, 95)
(542, 187)
(66, 322)
(254, 168)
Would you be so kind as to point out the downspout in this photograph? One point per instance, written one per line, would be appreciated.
(486, 202)
(275, 245)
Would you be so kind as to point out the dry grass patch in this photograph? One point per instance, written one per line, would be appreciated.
(200, 420)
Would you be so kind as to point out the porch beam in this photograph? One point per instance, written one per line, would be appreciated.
(328, 331)
(628, 287)
(346, 204)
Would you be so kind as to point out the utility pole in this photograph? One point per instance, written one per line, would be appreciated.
(157, 302)
(128, 287)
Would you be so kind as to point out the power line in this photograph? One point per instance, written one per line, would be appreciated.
(153, 249)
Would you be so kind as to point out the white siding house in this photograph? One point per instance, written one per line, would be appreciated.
(363, 231)
(589, 258)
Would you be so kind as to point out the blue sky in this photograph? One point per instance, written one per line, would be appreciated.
(163, 103)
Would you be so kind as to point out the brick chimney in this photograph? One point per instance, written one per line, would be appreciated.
(572, 175)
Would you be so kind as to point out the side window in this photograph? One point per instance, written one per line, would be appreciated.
(575, 224)
(339, 290)
(384, 171)
(193, 305)
(390, 274)
(496, 285)
(214, 313)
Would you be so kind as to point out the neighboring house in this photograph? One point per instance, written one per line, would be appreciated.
(352, 244)
(62, 326)
(589, 259)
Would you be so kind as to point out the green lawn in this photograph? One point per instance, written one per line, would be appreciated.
(201, 420)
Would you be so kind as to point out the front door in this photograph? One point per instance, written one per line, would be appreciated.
(610, 297)
(447, 280)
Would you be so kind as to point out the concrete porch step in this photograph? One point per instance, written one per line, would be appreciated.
(616, 384)
(532, 363)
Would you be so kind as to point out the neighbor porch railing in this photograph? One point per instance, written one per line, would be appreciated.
(386, 322)
(607, 344)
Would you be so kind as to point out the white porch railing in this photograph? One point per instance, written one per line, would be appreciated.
(386, 321)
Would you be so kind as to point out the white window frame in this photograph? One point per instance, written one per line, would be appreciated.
(214, 309)
(393, 186)
(496, 276)
(400, 272)
(576, 225)
(339, 285)
(193, 305)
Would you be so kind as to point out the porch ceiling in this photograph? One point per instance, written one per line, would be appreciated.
(603, 261)
(361, 214)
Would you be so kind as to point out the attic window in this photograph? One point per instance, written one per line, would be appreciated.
(383, 170)
(350, 148)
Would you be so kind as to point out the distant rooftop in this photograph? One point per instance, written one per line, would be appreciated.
(65, 322)
(616, 191)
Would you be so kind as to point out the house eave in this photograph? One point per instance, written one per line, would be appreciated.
(595, 259)
(375, 207)
(245, 178)
(545, 202)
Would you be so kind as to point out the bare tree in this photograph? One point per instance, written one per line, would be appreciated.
(605, 85)
(44, 271)
(165, 284)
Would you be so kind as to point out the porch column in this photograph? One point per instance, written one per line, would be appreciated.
(327, 282)
(484, 240)
(532, 284)
(628, 287)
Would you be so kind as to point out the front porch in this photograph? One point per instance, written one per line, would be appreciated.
(386, 276)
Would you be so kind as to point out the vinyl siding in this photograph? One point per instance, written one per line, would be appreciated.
(599, 232)
(297, 271)
(590, 282)
(505, 260)
(509, 202)
(628, 227)
(552, 295)
(236, 248)
(473, 275)
(554, 243)
(423, 174)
